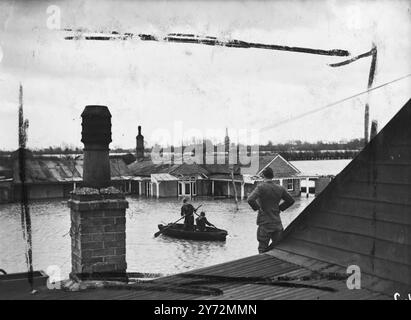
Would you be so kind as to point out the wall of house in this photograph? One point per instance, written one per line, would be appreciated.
(67, 188)
(203, 188)
(135, 189)
(296, 192)
(221, 189)
(121, 185)
(40, 191)
(6, 191)
(168, 189)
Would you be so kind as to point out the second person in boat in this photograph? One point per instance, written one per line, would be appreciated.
(202, 221)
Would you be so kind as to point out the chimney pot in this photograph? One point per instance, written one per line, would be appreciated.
(96, 136)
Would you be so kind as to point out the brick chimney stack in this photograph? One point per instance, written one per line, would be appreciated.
(140, 145)
(98, 212)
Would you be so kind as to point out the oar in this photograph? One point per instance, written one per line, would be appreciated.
(161, 231)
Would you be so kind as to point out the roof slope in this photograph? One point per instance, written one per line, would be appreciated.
(281, 167)
(147, 167)
(55, 170)
(253, 278)
(186, 169)
(363, 217)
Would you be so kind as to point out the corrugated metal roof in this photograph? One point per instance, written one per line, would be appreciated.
(59, 170)
(187, 169)
(147, 167)
(257, 277)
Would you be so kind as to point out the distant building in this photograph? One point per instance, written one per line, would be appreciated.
(52, 177)
(218, 180)
(285, 174)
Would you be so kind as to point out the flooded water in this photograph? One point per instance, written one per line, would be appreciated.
(51, 241)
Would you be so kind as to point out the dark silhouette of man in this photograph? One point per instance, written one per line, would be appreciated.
(187, 210)
(265, 199)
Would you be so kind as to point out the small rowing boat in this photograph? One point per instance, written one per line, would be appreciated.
(177, 231)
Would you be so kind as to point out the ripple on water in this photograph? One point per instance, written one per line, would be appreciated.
(51, 243)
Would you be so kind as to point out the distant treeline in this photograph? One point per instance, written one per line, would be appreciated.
(354, 144)
(293, 150)
(318, 155)
(298, 150)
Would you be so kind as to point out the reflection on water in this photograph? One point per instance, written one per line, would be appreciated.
(51, 241)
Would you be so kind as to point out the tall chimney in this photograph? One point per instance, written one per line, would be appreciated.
(98, 213)
(96, 136)
(140, 145)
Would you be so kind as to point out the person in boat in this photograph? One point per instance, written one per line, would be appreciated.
(187, 210)
(265, 199)
(202, 221)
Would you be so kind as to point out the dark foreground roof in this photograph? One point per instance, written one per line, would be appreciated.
(253, 278)
(363, 217)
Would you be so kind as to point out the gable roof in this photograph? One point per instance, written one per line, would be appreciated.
(281, 167)
(363, 216)
(146, 167)
(187, 169)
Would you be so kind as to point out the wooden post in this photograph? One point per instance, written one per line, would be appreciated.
(140, 190)
(235, 190)
(158, 189)
(212, 187)
(242, 191)
(374, 129)
(370, 82)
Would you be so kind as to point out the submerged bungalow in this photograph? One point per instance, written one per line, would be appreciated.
(177, 178)
(54, 177)
(218, 180)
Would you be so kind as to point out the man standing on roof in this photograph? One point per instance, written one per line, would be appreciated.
(266, 198)
(187, 210)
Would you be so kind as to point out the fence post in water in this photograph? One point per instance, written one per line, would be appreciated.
(98, 221)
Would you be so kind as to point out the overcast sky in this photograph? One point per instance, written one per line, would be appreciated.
(155, 84)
